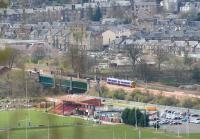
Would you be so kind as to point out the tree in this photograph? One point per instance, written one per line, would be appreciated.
(82, 13)
(90, 13)
(4, 3)
(144, 120)
(17, 83)
(120, 94)
(161, 56)
(8, 57)
(178, 68)
(196, 74)
(38, 54)
(187, 103)
(187, 60)
(198, 17)
(129, 116)
(145, 71)
(78, 59)
(169, 101)
(134, 53)
(125, 114)
(97, 15)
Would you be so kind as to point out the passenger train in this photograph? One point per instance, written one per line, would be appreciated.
(120, 82)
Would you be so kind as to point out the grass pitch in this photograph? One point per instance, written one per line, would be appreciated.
(71, 130)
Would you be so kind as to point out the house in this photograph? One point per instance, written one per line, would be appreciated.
(190, 6)
(58, 38)
(95, 40)
(84, 38)
(145, 8)
(171, 5)
(109, 21)
(113, 33)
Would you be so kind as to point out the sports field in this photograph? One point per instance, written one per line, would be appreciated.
(70, 128)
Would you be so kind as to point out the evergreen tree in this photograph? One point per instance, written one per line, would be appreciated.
(198, 17)
(97, 15)
(125, 114)
(90, 13)
(82, 13)
(143, 120)
(129, 116)
(196, 74)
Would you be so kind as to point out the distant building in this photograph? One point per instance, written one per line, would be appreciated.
(85, 39)
(190, 6)
(145, 8)
(113, 33)
(171, 5)
(27, 46)
(75, 104)
(109, 21)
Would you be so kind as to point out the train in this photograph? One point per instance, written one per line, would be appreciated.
(127, 83)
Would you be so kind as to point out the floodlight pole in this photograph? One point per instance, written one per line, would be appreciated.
(139, 134)
(178, 131)
(157, 124)
(27, 109)
(135, 119)
(8, 137)
(113, 133)
(188, 120)
(125, 134)
(48, 130)
(136, 116)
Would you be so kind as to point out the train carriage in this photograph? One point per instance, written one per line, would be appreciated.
(127, 83)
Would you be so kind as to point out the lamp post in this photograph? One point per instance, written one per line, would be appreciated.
(178, 130)
(27, 109)
(48, 130)
(139, 134)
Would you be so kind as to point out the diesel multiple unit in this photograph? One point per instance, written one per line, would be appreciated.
(120, 82)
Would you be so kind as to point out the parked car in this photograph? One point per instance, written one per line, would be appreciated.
(175, 123)
(196, 121)
(164, 122)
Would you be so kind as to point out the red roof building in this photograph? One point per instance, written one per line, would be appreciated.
(75, 104)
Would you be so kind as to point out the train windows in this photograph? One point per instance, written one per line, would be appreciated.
(127, 83)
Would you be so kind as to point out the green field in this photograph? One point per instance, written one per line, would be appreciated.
(85, 130)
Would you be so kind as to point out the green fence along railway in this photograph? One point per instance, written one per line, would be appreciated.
(66, 84)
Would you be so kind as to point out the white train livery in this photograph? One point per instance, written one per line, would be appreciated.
(120, 82)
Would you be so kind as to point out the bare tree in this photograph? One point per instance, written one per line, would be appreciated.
(161, 55)
(134, 52)
(8, 57)
(77, 59)
(144, 70)
(38, 54)
(178, 68)
(4, 3)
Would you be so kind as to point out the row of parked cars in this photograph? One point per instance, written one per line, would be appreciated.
(169, 117)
